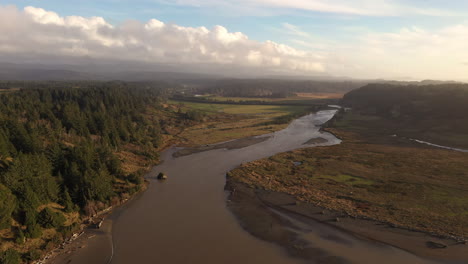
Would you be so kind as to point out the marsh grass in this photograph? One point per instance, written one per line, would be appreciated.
(227, 122)
(383, 178)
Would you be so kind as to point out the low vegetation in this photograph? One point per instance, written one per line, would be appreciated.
(423, 189)
(223, 122)
(376, 173)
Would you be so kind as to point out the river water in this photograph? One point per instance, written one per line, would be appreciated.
(185, 219)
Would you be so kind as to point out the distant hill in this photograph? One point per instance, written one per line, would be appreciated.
(412, 101)
(423, 82)
(115, 71)
(432, 112)
(35, 72)
(276, 87)
(16, 72)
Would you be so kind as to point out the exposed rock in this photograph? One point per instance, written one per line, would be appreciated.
(162, 176)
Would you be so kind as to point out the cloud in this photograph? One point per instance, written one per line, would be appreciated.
(349, 7)
(296, 31)
(414, 51)
(43, 33)
(411, 51)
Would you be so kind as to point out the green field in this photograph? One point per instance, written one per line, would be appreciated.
(225, 122)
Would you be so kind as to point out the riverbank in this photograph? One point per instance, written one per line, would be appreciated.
(282, 219)
(98, 242)
(158, 217)
(386, 189)
(95, 235)
(232, 144)
(134, 160)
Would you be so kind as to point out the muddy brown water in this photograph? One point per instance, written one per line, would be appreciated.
(185, 219)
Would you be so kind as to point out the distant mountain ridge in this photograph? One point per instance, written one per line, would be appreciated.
(68, 72)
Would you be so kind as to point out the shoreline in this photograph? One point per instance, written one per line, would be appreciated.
(89, 236)
(251, 206)
(231, 144)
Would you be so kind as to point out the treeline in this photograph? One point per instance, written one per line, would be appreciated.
(208, 100)
(57, 146)
(276, 88)
(15, 85)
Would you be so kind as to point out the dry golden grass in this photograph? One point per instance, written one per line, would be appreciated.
(228, 122)
(9, 90)
(229, 129)
(419, 188)
(131, 161)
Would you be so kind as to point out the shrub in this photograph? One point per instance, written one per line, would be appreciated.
(67, 231)
(10, 256)
(33, 231)
(7, 205)
(136, 178)
(67, 202)
(50, 219)
(33, 255)
(20, 238)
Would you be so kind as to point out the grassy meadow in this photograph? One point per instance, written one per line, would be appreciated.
(381, 177)
(225, 122)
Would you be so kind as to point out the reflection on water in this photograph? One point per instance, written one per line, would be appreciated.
(185, 219)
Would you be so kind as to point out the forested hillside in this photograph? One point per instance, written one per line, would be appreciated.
(430, 101)
(58, 157)
(432, 112)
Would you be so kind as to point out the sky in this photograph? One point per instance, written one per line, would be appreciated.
(391, 39)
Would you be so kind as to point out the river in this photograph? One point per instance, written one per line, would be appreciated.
(439, 146)
(185, 219)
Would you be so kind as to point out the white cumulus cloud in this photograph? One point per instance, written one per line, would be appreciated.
(48, 37)
(41, 32)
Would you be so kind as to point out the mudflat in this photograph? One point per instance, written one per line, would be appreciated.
(325, 236)
(381, 188)
(232, 144)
